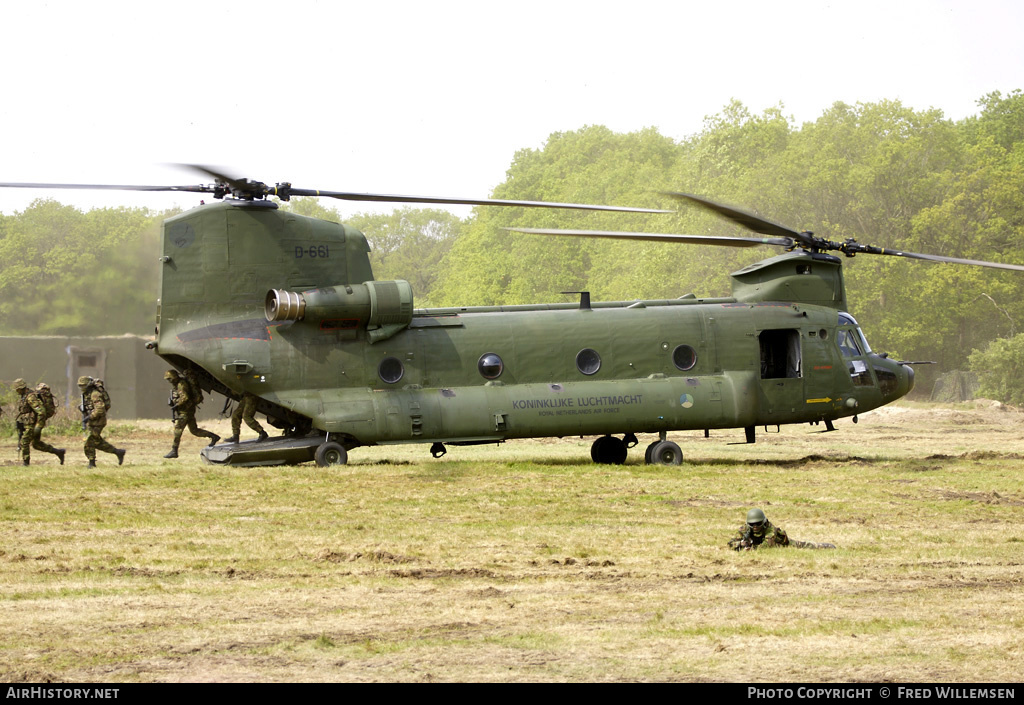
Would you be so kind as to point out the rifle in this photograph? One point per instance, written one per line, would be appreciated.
(85, 414)
(174, 409)
(21, 430)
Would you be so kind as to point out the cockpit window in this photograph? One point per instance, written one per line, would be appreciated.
(849, 346)
(852, 344)
(846, 319)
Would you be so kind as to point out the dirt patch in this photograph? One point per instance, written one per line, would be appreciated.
(372, 556)
(706, 502)
(983, 497)
(431, 573)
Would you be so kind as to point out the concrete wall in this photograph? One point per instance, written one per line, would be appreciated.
(132, 375)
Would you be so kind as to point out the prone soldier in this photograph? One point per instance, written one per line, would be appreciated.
(95, 404)
(183, 412)
(31, 420)
(245, 411)
(758, 532)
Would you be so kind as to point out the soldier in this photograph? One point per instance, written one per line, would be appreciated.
(31, 420)
(183, 413)
(95, 404)
(758, 532)
(245, 411)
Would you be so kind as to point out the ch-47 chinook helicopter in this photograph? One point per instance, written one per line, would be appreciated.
(260, 300)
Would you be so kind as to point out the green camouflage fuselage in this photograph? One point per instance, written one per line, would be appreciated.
(353, 358)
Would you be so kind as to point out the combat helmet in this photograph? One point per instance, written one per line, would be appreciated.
(19, 384)
(84, 381)
(172, 375)
(756, 519)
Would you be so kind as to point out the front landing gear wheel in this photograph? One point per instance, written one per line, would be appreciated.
(608, 450)
(331, 453)
(664, 453)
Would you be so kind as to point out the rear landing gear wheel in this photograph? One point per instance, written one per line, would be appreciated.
(664, 453)
(608, 450)
(647, 453)
(331, 453)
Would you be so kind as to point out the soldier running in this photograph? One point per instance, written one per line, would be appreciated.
(183, 413)
(31, 420)
(95, 404)
(245, 411)
(758, 532)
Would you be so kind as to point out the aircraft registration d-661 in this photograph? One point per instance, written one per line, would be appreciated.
(285, 307)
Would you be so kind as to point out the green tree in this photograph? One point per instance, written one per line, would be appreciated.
(409, 244)
(489, 265)
(1000, 369)
(71, 273)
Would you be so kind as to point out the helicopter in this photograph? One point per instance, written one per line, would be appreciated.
(255, 299)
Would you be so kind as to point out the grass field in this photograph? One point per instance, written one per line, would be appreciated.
(523, 562)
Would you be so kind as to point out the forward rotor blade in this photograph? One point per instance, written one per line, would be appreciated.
(807, 240)
(950, 260)
(743, 218)
(662, 237)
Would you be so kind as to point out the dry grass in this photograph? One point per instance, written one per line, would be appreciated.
(521, 563)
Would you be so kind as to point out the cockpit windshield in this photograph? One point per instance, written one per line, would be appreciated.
(852, 342)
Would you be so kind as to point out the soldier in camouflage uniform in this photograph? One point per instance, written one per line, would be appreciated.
(31, 420)
(94, 416)
(758, 532)
(245, 411)
(183, 411)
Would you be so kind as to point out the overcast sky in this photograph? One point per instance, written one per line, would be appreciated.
(434, 98)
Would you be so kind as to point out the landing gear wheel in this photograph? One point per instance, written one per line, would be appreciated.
(647, 453)
(664, 453)
(331, 453)
(608, 450)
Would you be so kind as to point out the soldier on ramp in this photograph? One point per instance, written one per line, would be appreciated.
(183, 412)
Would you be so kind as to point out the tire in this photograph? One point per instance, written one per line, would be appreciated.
(608, 450)
(647, 453)
(666, 453)
(331, 453)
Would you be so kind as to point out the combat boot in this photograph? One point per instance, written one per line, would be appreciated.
(92, 462)
(232, 439)
(263, 436)
(173, 453)
(214, 440)
(60, 454)
(24, 461)
(120, 455)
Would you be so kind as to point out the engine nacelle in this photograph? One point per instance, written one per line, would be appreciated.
(382, 307)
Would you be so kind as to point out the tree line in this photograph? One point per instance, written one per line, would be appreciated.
(881, 173)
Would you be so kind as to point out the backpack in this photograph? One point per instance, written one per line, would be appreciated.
(46, 397)
(98, 386)
(195, 392)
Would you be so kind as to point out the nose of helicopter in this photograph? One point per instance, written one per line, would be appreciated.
(895, 379)
(904, 382)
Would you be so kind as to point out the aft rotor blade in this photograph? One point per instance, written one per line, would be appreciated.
(743, 218)
(662, 237)
(198, 188)
(286, 191)
(395, 198)
(239, 186)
